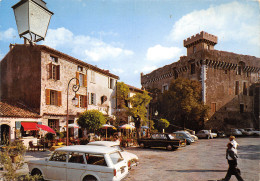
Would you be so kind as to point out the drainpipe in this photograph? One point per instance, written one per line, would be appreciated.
(203, 80)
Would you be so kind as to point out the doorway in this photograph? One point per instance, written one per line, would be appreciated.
(5, 134)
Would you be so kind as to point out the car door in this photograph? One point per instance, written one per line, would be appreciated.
(57, 166)
(76, 166)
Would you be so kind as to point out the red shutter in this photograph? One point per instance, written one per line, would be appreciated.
(85, 80)
(85, 101)
(57, 72)
(48, 94)
(77, 76)
(59, 98)
(49, 70)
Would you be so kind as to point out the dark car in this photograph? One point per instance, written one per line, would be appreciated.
(167, 140)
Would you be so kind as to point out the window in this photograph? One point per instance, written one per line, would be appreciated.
(251, 91)
(53, 97)
(192, 68)
(111, 83)
(59, 156)
(239, 70)
(241, 108)
(95, 159)
(165, 88)
(80, 69)
(53, 71)
(82, 101)
(244, 88)
(76, 158)
(53, 123)
(116, 157)
(208, 47)
(54, 59)
(237, 88)
(226, 71)
(93, 99)
(213, 107)
(93, 78)
(248, 74)
(82, 78)
(194, 49)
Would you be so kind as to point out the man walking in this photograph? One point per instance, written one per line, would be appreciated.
(234, 143)
(231, 157)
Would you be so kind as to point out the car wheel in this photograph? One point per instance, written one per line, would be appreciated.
(188, 142)
(89, 178)
(141, 145)
(37, 172)
(169, 147)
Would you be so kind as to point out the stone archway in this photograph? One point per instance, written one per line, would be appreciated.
(5, 134)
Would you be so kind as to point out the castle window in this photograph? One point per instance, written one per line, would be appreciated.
(239, 70)
(165, 88)
(245, 88)
(237, 88)
(192, 68)
(251, 91)
(213, 107)
(208, 47)
(248, 74)
(241, 108)
(194, 49)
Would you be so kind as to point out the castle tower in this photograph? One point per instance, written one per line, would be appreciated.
(201, 41)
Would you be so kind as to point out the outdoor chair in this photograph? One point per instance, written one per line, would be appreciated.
(33, 147)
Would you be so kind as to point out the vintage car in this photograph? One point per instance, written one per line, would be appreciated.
(233, 132)
(169, 141)
(205, 134)
(252, 131)
(195, 138)
(132, 159)
(81, 163)
(184, 135)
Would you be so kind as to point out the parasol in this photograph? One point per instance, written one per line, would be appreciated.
(72, 126)
(106, 126)
(126, 126)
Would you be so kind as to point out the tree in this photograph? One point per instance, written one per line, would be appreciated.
(182, 104)
(138, 109)
(162, 124)
(91, 120)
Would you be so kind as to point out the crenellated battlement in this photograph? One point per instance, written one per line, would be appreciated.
(202, 36)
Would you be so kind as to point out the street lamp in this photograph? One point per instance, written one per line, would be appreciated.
(32, 19)
(75, 101)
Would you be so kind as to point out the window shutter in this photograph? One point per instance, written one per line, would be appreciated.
(57, 72)
(95, 100)
(85, 101)
(77, 96)
(77, 76)
(85, 80)
(49, 70)
(59, 98)
(18, 124)
(89, 99)
(48, 98)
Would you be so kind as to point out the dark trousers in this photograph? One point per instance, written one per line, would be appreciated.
(233, 170)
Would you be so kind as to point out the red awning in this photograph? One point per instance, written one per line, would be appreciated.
(46, 128)
(29, 126)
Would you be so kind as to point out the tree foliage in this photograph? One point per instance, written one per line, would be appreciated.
(162, 124)
(91, 120)
(182, 104)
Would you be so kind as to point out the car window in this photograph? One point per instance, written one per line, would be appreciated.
(59, 156)
(116, 157)
(172, 136)
(95, 159)
(76, 158)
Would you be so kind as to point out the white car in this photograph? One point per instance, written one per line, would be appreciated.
(81, 163)
(253, 132)
(195, 138)
(205, 134)
(132, 159)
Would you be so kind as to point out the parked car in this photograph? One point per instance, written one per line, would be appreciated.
(132, 159)
(169, 141)
(184, 135)
(233, 132)
(81, 163)
(205, 134)
(194, 137)
(221, 134)
(244, 132)
(252, 131)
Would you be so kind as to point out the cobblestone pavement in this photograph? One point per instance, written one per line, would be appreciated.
(204, 160)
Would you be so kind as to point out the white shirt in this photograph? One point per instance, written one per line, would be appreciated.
(235, 144)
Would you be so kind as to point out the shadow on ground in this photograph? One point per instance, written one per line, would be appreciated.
(191, 171)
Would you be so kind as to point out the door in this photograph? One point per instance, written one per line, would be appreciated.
(57, 166)
(76, 166)
(5, 134)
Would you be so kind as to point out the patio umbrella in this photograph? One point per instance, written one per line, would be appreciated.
(145, 127)
(72, 126)
(46, 128)
(106, 126)
(126, 126)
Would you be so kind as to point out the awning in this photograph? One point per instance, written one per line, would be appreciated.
(46, 128)
(29, 126)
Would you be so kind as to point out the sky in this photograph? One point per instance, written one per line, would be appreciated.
(128, 37)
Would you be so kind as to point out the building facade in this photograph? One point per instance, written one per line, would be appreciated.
(39, 77)
(230, 82)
